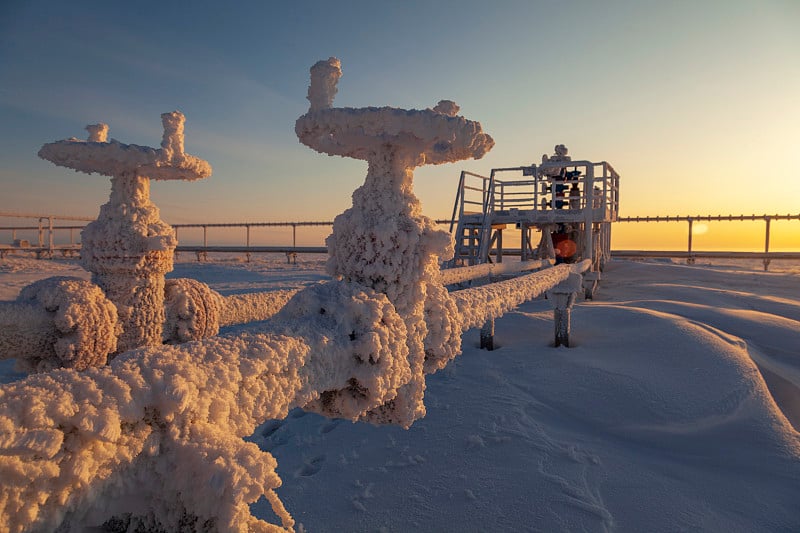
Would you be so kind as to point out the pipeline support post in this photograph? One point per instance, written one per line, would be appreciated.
(768, 220)
(590, 281)
(487, 335)
(563, 297)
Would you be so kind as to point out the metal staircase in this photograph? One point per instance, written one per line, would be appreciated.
(474, 207)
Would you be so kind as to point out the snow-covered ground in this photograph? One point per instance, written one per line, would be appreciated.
(675, 409)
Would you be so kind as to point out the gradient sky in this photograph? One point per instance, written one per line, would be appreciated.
(695, 103)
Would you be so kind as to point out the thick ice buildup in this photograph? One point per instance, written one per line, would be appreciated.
(192, 310)
(383, 241)
(78, 450)
(324, 77)
(252, 307)
(172, 139)
(337, 348)
(129, 248)
(113, 158)
(98, 133)
(101, 448)
(451, 276)
(559, 156)
(85, 325)
(377, 352)
(27, 332)
(479, 304)
(432, 138)
(429, 136)
(443, 339)
(195, 311)
(447, 107)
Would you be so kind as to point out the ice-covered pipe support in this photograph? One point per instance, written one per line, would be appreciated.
(563, 296)
(487, 335)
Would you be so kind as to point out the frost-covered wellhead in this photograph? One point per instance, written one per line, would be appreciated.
(384, 241)
(129, 248)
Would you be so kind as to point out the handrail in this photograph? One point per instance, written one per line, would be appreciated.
(706, 218)
(710, 254)
(455, 204)
(8, 214)
(488, 209)
(691, 254)
(32, 228)
(255, 249)
(612, 188)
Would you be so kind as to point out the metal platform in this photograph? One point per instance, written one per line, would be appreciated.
(579, 199)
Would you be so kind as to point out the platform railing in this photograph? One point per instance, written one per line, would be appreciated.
(46, 233)
(690, 254)
(608, 179)
(600, 189)
(471, 196)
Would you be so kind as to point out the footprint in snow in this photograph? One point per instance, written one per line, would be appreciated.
(311, 467)
(270, 427)
(475, 441)
(358, 505)
(330, 426)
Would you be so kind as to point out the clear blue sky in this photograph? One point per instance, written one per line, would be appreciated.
(696, 103)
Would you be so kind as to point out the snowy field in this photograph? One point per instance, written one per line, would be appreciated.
(675, 409)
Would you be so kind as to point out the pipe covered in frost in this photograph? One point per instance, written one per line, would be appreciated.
(77, 447)
(461, 274)
(479, 304)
